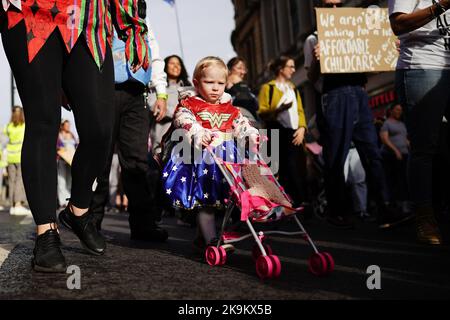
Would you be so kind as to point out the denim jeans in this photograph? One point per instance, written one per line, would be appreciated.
(425, 96)
(347, 118)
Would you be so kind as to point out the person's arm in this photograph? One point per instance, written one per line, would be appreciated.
(132, 30)
(185, 119)
(314, 72)
(243, 128)
(263, 100)
(74, 139)
(159, 77)
(299, 134)
(404, 22)
(265, 111)
(301, 111)
(312, 64)
(384, 135)
(59, 143)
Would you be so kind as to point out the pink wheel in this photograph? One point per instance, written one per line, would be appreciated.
(276, 265)
(215, 256)
(256, 252)
(264, 267)
(318, 264)
(330, 262)
(223, 256)
(212, 256)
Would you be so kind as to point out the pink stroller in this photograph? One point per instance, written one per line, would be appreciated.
(261, 199)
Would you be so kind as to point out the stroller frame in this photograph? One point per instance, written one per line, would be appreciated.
(267, 264)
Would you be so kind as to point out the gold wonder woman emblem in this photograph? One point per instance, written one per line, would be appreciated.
(215, 120)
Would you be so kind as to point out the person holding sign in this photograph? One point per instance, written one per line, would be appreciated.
(346, 117)
(423, 82)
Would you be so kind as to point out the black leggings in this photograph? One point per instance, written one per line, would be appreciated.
(91, 96)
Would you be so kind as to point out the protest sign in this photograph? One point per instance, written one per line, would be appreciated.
(356, 40)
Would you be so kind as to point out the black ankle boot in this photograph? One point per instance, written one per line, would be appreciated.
(85, 229)
(98, 219)
(47, 253)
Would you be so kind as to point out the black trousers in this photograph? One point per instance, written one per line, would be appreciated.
(395, 172)
(425, 97)
(140, 181)
(441, 171)
(90, 93)
(293, 167)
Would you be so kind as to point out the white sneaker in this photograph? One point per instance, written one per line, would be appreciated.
(21, 211)
(12, 211)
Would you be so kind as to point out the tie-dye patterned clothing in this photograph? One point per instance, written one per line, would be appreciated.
(92, 18)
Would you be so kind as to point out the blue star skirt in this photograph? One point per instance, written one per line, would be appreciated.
(199, 183)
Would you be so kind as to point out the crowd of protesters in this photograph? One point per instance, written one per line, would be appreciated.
(277, 105)
(372, 175)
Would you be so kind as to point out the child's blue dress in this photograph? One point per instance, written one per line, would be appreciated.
(200, 183)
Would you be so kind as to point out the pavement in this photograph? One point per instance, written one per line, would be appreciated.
(174, 271)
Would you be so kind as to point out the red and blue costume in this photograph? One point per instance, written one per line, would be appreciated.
(199, 182)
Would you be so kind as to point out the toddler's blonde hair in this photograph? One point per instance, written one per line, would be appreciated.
(208, 62)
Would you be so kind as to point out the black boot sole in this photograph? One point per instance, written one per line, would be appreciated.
(396, 223)
(67, 225)
(430, 242)
(38, 268)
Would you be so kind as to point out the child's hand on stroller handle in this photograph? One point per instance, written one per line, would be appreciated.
(207, 138)
(254, 140)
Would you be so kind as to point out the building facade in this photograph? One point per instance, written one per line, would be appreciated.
(266, 29)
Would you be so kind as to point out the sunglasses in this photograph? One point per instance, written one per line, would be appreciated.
(332, 5)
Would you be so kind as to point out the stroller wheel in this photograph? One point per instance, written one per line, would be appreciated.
(256, 252)
(223, 255)
(330, 262)
(319, 264)
(264, 267)
(215, 256)
(276, 266)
